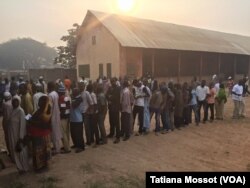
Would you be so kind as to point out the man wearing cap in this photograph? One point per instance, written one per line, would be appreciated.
(7, 109)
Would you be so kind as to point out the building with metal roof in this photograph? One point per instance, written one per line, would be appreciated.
(115, 45)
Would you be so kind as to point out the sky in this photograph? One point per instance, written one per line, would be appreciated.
(48, 20)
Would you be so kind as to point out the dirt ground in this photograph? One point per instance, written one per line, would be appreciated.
(218, 146)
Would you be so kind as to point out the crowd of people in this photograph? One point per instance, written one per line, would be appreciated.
(40, 118)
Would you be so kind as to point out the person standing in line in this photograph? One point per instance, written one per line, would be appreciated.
(217, 88)
(16, 135)
(185, 95)
(170, 105)
(37, 96)
(126, 110)
(86, 105)
(13, 87)
(92, 114)
(7, 84)
(243, 102)
(237, 93)
(210, 102)
(164, 108)
(147, 95)
(193, 105)
(55, 119)
(202, 92)
(7, 109)
(26, 99)
(67, 85)
(245, 86)
(230, 85)
(43, 83)
(39, 130)
(178, 110)
(155, 106)
(64, 106)
(138, 105)
(102, 111)
(221, 98)
(76, 122)
(113, 98)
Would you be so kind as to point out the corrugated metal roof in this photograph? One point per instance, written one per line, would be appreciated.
(135, 32)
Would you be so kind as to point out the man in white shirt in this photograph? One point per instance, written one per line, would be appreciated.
(202, 92)
(237, 92)
(138, 105)
(216, 103)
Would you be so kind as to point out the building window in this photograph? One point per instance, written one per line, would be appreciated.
(242, 65)
(101, 70)
(93, 40)
(109, 70)
(84, 70)
(190, 64)
(166, 63)
(131, 69)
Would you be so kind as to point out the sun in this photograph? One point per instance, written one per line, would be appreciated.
(126, 5)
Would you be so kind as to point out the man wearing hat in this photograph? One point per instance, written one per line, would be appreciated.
(7, 109)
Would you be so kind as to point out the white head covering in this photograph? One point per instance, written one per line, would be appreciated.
(18, 98)
(7, 95)
(214, 76)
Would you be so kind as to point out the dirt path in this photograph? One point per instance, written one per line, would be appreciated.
(219, 146)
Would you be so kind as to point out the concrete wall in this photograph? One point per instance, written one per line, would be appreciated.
(52, 74)
(106, 50)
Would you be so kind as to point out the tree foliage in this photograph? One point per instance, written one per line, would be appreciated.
(67, 54)
(20, 53)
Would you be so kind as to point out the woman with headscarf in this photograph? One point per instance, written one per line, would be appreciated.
(17, 133)
(7, 109)
(39, 129)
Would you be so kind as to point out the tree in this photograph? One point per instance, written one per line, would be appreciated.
(67, 54)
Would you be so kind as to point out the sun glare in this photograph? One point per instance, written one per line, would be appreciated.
(126, 5)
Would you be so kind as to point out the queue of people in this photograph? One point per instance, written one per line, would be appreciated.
(40, 119)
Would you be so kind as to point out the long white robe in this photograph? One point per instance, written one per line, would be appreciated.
(16, 131)
(55, 120)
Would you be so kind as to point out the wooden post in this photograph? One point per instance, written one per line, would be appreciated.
(201, 64)
(153, 63)
(179, 67)
(249, 66)
(235, 64)
(219, 64)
